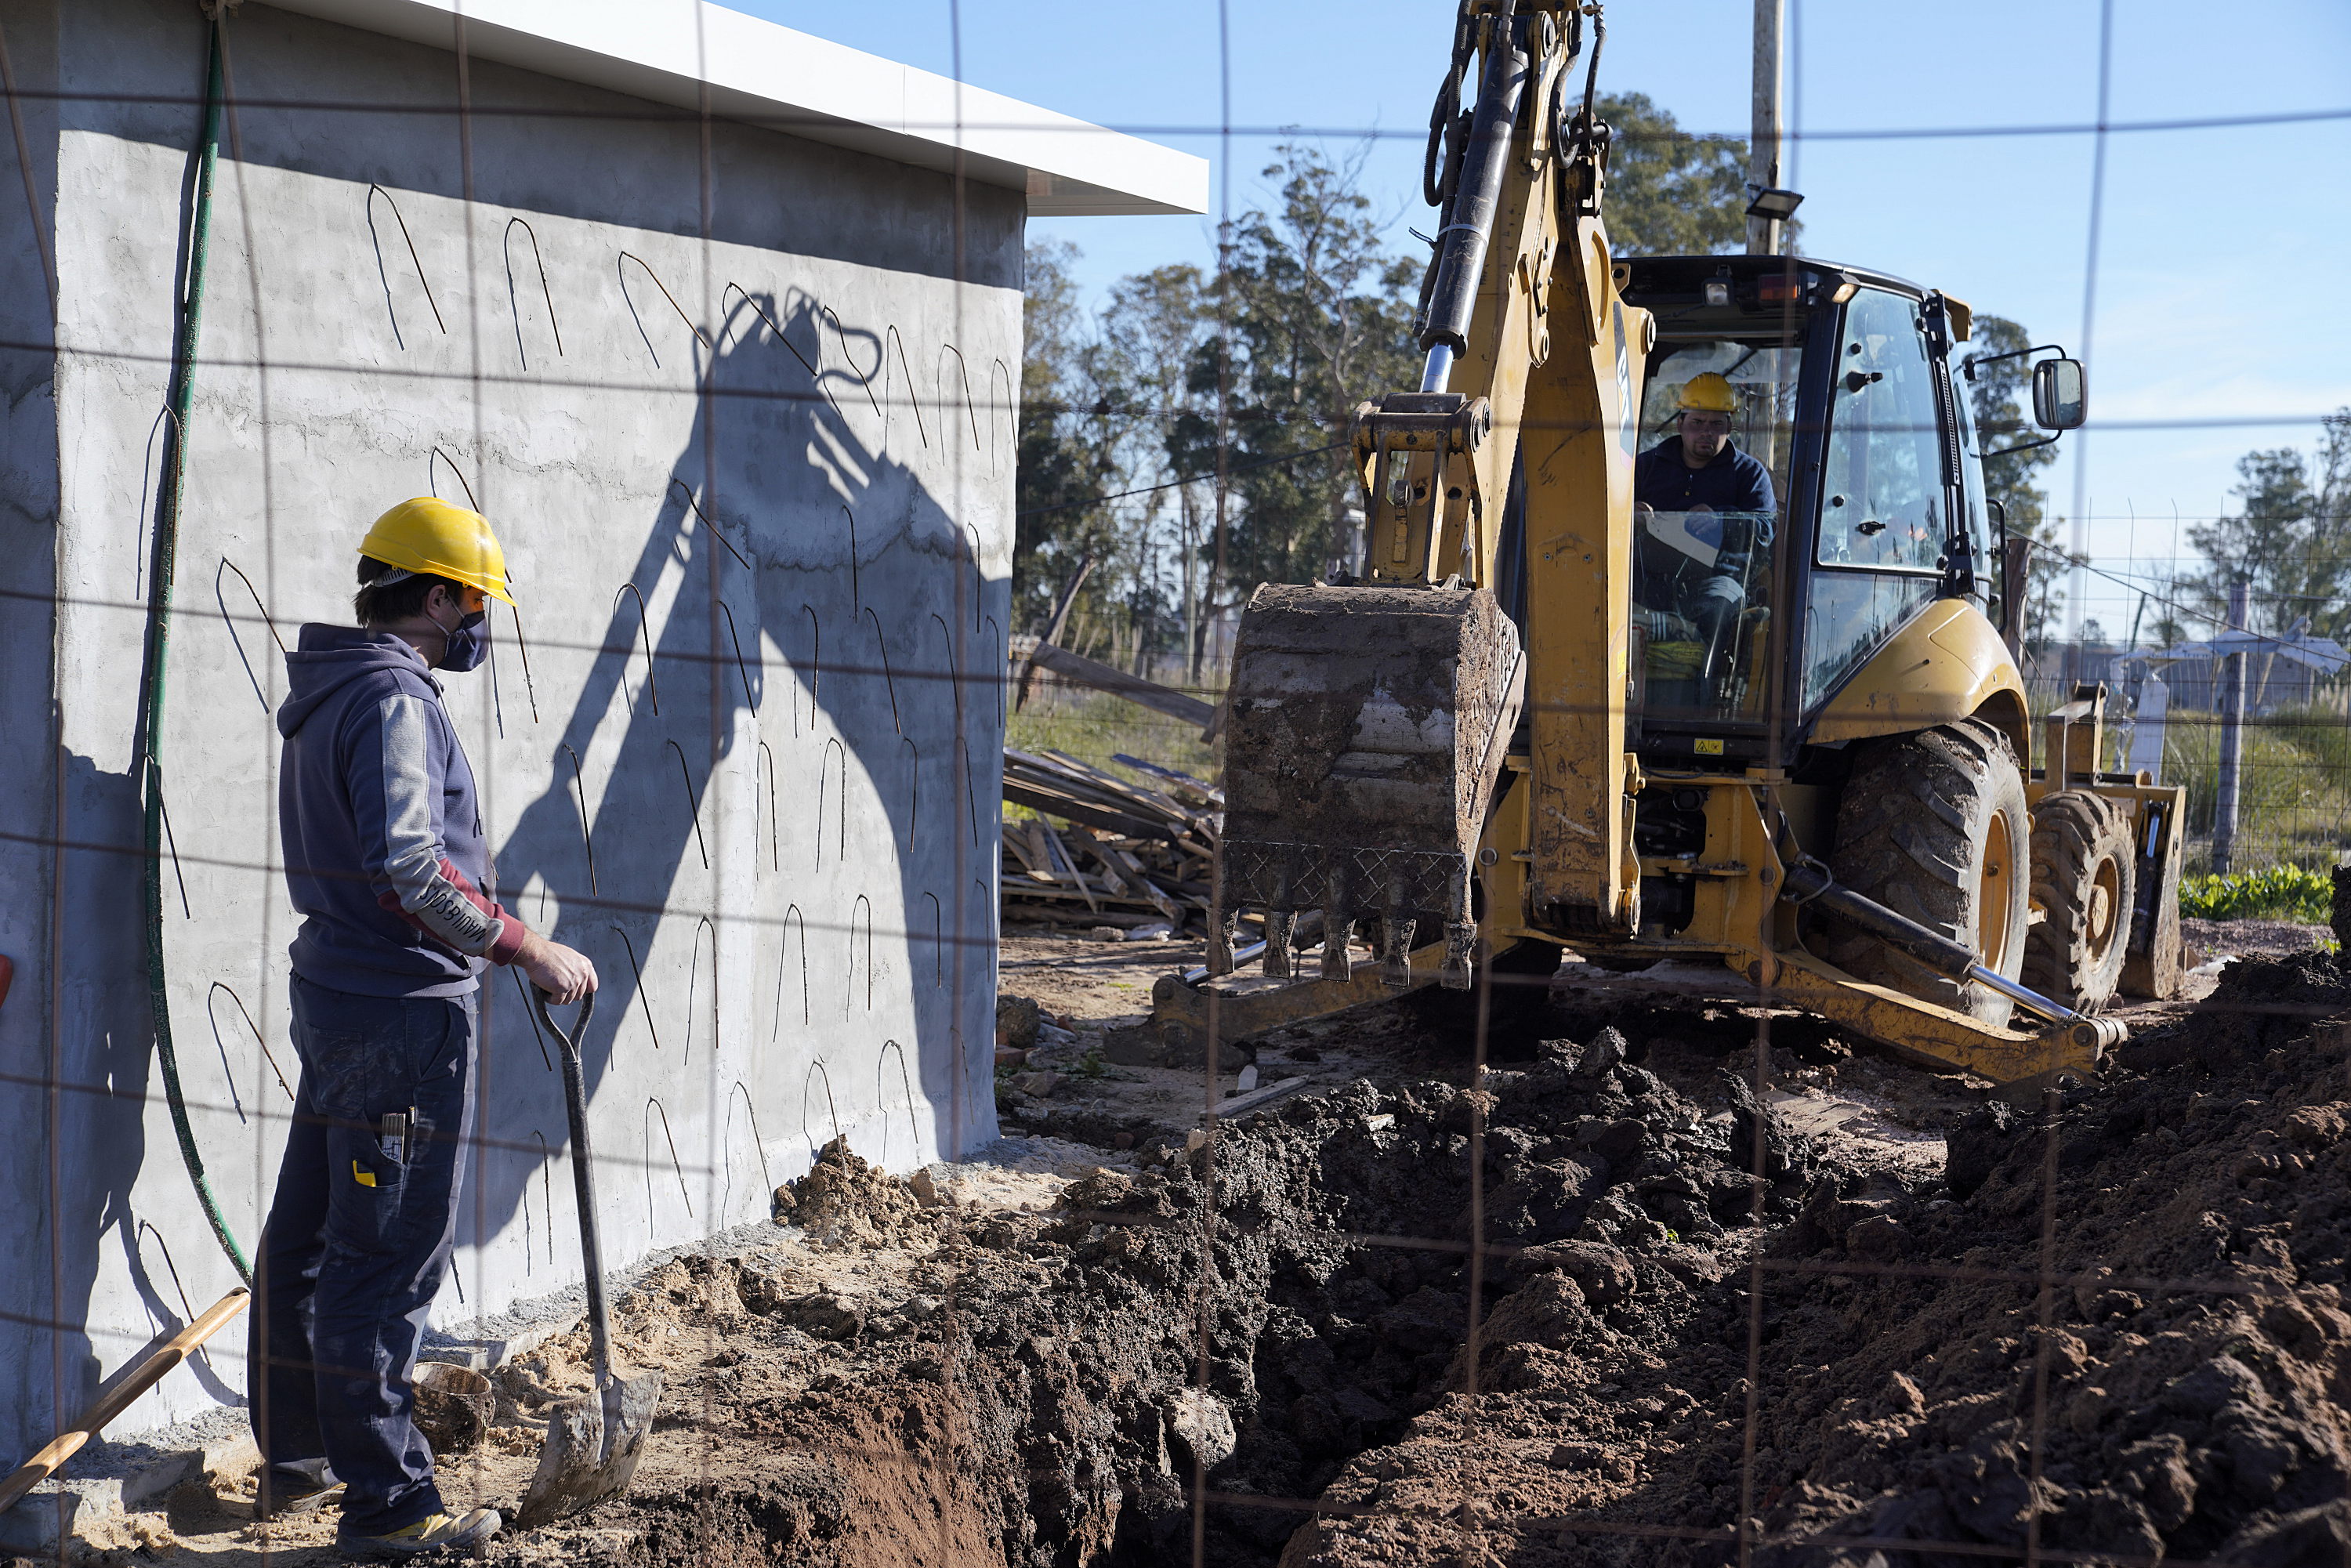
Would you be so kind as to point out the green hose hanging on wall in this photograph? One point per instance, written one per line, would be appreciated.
(159, 624)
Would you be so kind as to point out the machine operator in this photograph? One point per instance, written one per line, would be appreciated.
(1704, 506)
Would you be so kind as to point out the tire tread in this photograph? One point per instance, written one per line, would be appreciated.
(1903, 838)
(2073, 830)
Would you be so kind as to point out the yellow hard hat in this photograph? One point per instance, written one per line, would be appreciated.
(425, 534)
(1709, 392)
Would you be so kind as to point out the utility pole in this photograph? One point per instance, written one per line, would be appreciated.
(1763, 135)
(2232, 736)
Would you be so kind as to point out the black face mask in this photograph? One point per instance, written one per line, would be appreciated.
(465, 648)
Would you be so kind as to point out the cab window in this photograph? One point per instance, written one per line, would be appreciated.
(1706, 528)
(1884, 518)
(1980, 540)
(1882, 488)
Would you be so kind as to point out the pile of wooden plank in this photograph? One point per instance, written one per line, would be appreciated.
(1105, 850)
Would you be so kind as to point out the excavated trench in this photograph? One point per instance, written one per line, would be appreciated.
(1287, 1313)
(1043, 1387)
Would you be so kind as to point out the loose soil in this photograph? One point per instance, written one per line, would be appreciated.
(1863, 1312)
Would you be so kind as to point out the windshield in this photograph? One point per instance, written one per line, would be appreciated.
(1718, 419)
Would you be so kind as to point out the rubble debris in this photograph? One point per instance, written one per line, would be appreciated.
(1131, 861)
(1016, 1021)
(1041, 1083)
(1202, 1429)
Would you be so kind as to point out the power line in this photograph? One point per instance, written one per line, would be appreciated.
(1212, 474)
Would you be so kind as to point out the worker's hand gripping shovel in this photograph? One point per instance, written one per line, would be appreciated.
(592, 1443)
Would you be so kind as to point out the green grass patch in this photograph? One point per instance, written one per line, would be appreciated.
(2275, 893)
(1096, 726)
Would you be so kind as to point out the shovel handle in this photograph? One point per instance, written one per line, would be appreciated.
(575, 1107)
(115, 1400)
(541, 1001)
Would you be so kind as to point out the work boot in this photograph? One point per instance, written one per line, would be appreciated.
(281, 1490)
(435, 1533)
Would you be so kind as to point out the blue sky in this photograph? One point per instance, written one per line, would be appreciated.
(2224, 286)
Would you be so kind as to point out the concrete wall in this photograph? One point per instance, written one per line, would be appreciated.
(760, 528)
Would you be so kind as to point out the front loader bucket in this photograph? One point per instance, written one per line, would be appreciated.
(1365, 729)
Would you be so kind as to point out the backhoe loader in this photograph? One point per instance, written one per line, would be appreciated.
(1546, 716)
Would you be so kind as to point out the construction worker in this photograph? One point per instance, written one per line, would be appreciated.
(388, 867)
(1705, 506)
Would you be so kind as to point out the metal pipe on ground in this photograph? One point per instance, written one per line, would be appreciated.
(1808, 882)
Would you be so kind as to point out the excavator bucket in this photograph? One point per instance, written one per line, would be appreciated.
(1365, 730)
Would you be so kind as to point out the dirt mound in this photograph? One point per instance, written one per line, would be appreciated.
(1904, 1364)
(1265, 1308)
(843, 1204)
(2177, 1387)
(2184, 1375)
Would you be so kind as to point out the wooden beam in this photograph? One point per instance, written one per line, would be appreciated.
(119, 1398)
(1104, 677)
(1060, 619)
(1092, 816)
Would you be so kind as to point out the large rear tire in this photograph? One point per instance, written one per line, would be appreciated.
(1933, 825)
(2082, 881)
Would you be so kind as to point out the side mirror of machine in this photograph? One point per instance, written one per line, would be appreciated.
(2059, 394)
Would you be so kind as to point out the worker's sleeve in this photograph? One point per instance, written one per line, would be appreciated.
(1749, 528)
(396, 794)
(1757, 498)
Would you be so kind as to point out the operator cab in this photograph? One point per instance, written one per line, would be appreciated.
(1746, 620)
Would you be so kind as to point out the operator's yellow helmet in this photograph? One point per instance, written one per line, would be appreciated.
(1709, 392)
(425, 534)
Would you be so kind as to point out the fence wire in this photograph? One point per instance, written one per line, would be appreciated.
(2297, 788)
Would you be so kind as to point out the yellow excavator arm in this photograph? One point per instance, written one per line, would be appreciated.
(1436, 751)
(1375, 714)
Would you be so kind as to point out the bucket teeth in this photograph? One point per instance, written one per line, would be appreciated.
(1281, 933)
(1395, 957)
(1224, 926)
(1336, 966)
(1461, 948)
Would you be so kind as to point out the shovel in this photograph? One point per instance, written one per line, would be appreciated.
(592, 1443)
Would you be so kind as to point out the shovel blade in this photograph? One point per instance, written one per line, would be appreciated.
(592, 1448)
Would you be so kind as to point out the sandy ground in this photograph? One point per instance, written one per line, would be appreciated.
(689, 1321)
(2208, 940)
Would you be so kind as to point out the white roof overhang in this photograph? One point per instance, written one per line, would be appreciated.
(672, 51)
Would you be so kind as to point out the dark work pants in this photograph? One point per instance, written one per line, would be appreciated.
(1713, 603)
(357, 1243)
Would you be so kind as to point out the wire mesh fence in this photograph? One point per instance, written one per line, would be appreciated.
(1577, 1275)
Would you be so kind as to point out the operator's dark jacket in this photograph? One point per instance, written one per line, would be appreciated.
(385, 856)
(1734, 485)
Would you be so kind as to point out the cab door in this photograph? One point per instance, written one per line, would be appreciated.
(1888, 488)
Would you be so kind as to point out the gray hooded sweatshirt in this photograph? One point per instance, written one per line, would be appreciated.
(385, 857)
